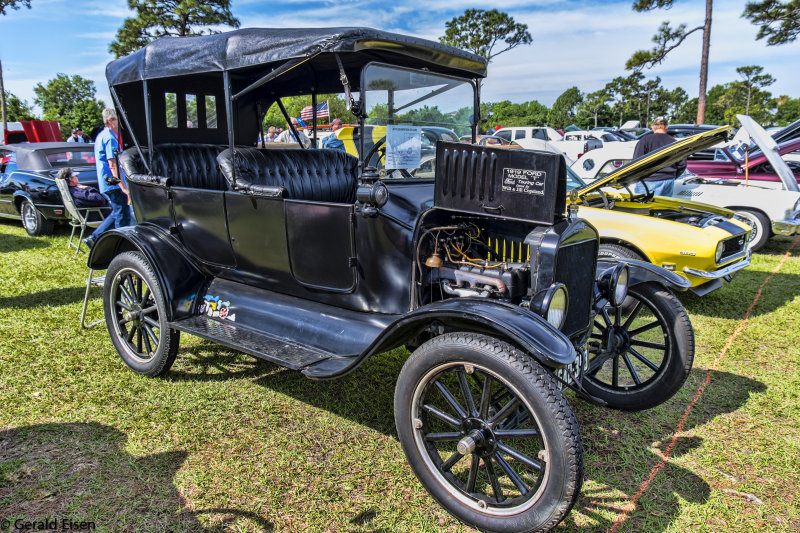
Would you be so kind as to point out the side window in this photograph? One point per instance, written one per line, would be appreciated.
(520, 134)
(200, 111)
(171, 101)
(540, 134)
(8, 162)
(191, 111)
(211, 112)
(504, 134)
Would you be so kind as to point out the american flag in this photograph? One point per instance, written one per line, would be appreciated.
(322, 111)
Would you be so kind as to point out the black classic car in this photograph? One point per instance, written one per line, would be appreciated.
(314, 260)
(28, 189)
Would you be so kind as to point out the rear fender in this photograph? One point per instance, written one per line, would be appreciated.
(181, 279)
(520, 326)
(643, 272)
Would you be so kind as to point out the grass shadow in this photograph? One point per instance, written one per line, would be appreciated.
(732, 300)
(365, 396)
(82, 472)
(14, 243)
(620, 457)
(49, 297)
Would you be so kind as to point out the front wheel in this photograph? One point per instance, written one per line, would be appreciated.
(640, 356)
(136, 315)
(488, 433)
(761, 228)
(34, 221)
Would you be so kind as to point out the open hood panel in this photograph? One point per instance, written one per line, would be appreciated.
(654, 161)
(769, 148)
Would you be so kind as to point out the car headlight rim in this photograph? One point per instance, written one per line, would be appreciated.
(552, 304)
(720, 250)
(613, 283)
(621, 285)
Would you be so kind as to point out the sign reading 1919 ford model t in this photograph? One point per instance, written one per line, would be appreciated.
(316, 260)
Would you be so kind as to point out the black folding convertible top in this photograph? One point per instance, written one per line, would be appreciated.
(237, 50)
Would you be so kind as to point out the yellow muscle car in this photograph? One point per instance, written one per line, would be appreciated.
(704, 243)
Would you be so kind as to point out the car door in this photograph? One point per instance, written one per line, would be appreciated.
(8, 164)
(291, 245)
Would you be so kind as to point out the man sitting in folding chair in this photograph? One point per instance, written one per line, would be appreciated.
(85, 204)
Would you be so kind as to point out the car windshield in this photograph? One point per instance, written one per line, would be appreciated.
(82, 155)
(417, 109)
(573, 181)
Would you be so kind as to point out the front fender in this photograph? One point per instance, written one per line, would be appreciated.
(181, 279)
(643, 272)
(521, 326)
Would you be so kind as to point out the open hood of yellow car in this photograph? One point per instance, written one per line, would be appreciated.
(654, 161)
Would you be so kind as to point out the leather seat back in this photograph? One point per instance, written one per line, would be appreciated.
(317, 175)
(187, 165)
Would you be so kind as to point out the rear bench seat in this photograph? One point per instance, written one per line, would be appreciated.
(316, 175)
(186, 165)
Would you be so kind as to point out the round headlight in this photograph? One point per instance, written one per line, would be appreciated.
(613, 283)
(621, 289)
(557, 309)
(552, 304)
(720, 250)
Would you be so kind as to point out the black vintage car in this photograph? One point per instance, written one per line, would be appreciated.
(314, 260)
(28, 189)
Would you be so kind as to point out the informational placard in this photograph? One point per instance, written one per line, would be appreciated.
(524, 181)
(403, 146)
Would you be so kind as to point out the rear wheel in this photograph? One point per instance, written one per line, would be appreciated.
(488, 433)
(761, 228)
(34, 221)
(640, 357)
(136, 315)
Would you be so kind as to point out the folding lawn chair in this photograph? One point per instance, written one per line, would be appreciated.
(91, 281)
(78, 215)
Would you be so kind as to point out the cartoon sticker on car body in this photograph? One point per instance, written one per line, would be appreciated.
(214, 307)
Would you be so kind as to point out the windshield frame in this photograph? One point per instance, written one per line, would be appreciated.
(363, 97)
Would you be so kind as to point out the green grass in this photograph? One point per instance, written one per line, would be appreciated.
(225, 442)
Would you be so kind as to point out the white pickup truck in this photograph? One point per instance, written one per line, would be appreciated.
(547, 139)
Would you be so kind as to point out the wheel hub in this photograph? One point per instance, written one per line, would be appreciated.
(618, 340)
(478, 437)
(134, 316)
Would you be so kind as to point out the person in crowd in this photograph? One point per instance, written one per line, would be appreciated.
(289, 137)
(76, 136)
(662, 182)
(332, 142)
(271, 135)
(83, 195)
(110, 180)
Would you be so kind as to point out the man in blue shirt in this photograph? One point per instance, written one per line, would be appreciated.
(331, 141)
(109, 179)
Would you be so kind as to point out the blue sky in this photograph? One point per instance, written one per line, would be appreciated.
(582, 43)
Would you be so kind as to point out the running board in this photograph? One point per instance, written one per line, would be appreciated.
(241, 338)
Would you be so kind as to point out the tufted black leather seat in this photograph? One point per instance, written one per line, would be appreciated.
(187, 165)
(318, 175)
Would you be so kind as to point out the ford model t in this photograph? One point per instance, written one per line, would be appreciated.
(316, 260)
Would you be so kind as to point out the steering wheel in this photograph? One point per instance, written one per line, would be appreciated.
(380, 145)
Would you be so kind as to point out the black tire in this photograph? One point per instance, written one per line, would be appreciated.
(34, 221)
(642, 356)
(136, 315)
(618, 251)
(762, 229)
(525, 466)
